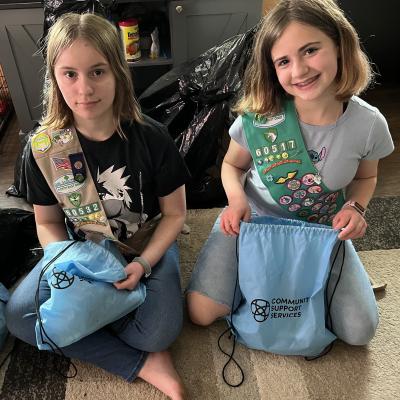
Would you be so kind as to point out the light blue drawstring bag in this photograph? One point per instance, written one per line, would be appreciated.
(4, 296)
(82, 298)
(284, 267)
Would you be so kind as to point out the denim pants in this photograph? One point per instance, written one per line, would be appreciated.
(120, 348)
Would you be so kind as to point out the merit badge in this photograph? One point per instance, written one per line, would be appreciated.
(271, 135)
(41, 142)
(62, 137)
(285, 200)
(75, 199)
(289, 175)
(66, 184)
(261, 121)
(78, 166)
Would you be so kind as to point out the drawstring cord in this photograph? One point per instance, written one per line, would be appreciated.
(232, 333)
(328, 316)
(43, 335)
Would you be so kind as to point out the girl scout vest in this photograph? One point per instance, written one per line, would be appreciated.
(285, 168)
(60, 158)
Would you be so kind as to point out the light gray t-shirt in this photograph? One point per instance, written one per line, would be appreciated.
(361, 133)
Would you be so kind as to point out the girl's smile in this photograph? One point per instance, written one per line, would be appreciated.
(305, 61)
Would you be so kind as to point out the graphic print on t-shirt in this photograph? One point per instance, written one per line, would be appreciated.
(117, 202)
(317, 157)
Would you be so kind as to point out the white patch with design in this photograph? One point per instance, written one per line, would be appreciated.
(67, 184)
(271, 121)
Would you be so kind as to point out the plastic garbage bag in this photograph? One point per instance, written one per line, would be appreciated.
(193, 100)
(19, 245)
(54, 8)
(4, 296)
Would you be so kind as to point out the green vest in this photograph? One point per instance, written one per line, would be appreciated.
(284, 166)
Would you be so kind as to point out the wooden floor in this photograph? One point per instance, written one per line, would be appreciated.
(387, 99)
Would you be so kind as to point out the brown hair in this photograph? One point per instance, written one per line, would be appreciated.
(262, 92)
(105, 39)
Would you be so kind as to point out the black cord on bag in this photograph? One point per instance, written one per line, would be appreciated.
(232, 333)
(328, 316)
(43, 335)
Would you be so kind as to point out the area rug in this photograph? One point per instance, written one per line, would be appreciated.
(368, 372)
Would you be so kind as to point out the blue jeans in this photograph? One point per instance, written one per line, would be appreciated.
(122, 347)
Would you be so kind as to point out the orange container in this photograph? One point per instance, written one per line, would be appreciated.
(130, 38)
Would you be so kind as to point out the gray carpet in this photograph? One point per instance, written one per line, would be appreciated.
(369, 372)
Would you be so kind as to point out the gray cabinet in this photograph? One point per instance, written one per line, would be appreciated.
(197, 25)
(20, 31)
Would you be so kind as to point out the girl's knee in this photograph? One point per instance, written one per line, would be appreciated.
(362, 333)
(203, 310)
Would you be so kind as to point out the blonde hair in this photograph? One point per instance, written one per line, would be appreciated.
(262, 92)
(104, 37)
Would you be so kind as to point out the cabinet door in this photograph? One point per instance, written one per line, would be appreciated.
(20, 31)
(197, 25)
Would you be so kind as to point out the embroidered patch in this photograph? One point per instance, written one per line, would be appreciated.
(62, 137)
(271, 135)
(41, 142)
(67, 184)
(75, 199)
(261, 121)
(61, 163)
(87, 214)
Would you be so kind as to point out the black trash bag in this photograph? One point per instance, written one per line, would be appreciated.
(193, 100)
(19, 188)
(19, 245)
(55, 8)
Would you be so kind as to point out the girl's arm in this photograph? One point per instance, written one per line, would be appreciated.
(236, 163)
(173, 211)
(360, 189)
(50, 224)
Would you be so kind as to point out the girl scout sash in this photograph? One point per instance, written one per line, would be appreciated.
(284, 166)
(60, 158)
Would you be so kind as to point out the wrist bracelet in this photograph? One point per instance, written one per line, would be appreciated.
(144, 264)
(357, 206)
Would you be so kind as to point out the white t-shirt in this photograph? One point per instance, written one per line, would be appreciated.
(361, 133)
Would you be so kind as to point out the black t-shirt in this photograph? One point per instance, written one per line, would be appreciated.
(129, 174)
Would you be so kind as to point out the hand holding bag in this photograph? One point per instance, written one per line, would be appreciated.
(82, 298)
(284, 267)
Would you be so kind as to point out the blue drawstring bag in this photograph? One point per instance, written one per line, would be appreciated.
(284, 267)
(82, 297)
(4, 296)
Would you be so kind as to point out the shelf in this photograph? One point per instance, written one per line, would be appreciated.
(146, 62)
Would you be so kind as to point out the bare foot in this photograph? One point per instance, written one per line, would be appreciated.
(159, 371)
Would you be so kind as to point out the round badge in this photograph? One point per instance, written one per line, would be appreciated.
(285, 200)
(308, 179)
(78, 164)
(323, 219)
(316, 206)
(312, 218)
(314, 189)
(307, 202)
(324, 209)
(299, 194)
(294, 207)
(293, 184)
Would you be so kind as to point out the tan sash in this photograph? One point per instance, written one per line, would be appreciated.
(60, 158)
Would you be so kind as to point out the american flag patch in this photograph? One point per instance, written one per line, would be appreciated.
(61, 163)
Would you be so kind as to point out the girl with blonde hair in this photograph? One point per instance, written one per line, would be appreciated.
(124, 174)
